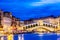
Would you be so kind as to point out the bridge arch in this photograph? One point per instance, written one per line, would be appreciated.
(42, 29)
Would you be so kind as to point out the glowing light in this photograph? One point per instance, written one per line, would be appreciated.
(21, 37)
(2, 38)
(41, 34)
(10, 37)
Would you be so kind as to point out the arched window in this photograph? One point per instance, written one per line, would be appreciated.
(24, 28)
(56, 26)
(1, 26)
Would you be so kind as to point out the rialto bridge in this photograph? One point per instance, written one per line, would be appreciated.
(47, 25)
(41, 29)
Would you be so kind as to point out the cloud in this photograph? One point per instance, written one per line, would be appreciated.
(35, 9)
(44, 2)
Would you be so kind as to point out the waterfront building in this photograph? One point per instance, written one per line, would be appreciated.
(13, 24)
(44, 24)
(1, 15)
(9, 23)
(19, 27)
(6, 21)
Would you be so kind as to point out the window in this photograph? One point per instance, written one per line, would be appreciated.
(0, 14)
(55, 26)
(1, 26)
(0, 18)
(0, 22)
(24, 28)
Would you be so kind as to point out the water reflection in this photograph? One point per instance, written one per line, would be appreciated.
(32, 36)
(35, 37)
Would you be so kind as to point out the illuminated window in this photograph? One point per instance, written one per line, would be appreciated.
(0, 22)
(24, 28)
(1, 26)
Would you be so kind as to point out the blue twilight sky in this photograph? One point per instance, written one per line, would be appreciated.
(26, 9)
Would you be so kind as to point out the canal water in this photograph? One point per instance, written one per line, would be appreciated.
(36, 37)
(32, 36)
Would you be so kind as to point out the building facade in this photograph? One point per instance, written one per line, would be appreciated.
(9, 23)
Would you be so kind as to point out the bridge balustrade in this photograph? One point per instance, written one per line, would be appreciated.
(53, 26)
(30, 26)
